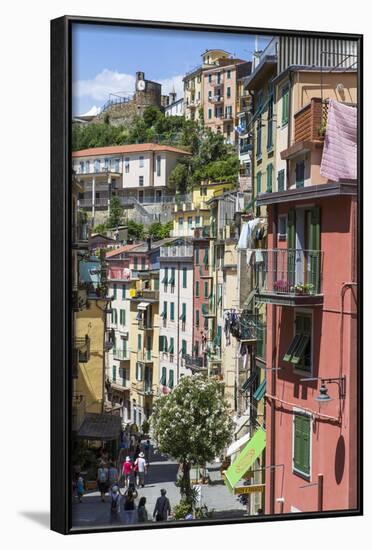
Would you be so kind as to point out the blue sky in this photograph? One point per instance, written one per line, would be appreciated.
(105, 58)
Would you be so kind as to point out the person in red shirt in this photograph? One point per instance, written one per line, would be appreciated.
(127, 470)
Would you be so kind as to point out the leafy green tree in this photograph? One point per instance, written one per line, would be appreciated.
(136, 231)
(100, 228)
(159, 230)
(192, 424)
(179, 178)
(115, 214)
(151, 115)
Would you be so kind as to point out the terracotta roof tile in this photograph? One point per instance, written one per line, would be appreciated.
(122, 149)
(121, 249)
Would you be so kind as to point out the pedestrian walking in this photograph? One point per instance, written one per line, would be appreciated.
(113, 475)
(80, 488)
(136, 451)
(140, 470)
(102, 480)
(162, 507)
(141, 511)
(115, 499)
(147, 449)
(129, 504)
(126, 471)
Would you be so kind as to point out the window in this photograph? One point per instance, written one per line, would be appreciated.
(206, 257)
(228, 74)
(282, 227)
(141, 162)
(206, 293)
(163, 379)
(172, 279)
(114, 317)
(269, 178)
(122, 316)
(114, 295)
(114, 373)
(184, 348)
(183, 314)
(143, 263)
(149, 347)
(124, 291)
(218, 78)
(116, 165)
(197, 289)
(171, 379)
(197, 221)
(300, 174)
(301, 444)
(285, 104)
(139, 342)
(165, 278)
(197, 317)
(209, 113)
(172, 311)
(281, 180)
(228, 91)
(135, 263)
(299, 352)
(106, 164)
(228, 114)
(189, 221)
(209, 94)
(206, 323)
(209, 78)
(259, 138)
(258, 179)
(270, 111)
(184, 277)
(196, 256)
(96, 165)
(165, 312)
(180, 223)
(140, 181)
(87, 166)
(171, 345)
(158, 165)
(138, 372)
(127, 165)
(81, 167)
(163, 343)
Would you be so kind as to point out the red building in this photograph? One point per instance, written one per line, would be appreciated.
(308, 279)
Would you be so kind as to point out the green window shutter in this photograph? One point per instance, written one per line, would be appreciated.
(206, 256)
(184, 277)
(172, 311)
(300, 349)
(165, 310)
(281, 175)
(183, 314)
(205, 309)
(163, 379)
(269, 183)
(165, 278)
(209, 113)
(115, 292)
(125, 347)
(196, 256)
(124, 317)
(197, 318)
(206, 324)
(259, 138)
(135, 262)
(114, 373)
(292, 348)
(302, 435)
(171, 379)
(314, 245)
(139, 342)
(124, 291)
(161, 343)
(300, 174)
(206, 293)
(121, 316)
(285, 104)
(258, 180)
(165, 344)
(172, 279)
(171, 345)
(197, 289)
(260, 392)
(184, 348)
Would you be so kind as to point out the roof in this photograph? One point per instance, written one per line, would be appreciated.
(143, 247)
(100, 427)
(122, 149)
(120, 250)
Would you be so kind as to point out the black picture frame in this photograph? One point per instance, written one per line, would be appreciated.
(61, 111)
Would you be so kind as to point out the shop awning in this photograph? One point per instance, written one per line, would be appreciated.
(240, 422)
(237, 445)
(142, 306)
(246, 459)
(100, 427)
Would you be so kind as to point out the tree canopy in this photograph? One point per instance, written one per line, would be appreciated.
(159, 231)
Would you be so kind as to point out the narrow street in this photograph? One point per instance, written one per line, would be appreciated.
(162, 474)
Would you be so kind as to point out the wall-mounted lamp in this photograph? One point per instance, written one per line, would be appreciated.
(323, 397)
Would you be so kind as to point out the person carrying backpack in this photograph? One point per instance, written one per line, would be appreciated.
(102, 480)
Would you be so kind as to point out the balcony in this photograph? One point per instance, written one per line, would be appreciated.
(309, 123)
(216, 99)
(288, 277)
(147, 294)
(121, 354)
(209, 310)
(145, 357)
(119, 383)
(176, 251)
(98, 203)
(143, 324)
(145, 387)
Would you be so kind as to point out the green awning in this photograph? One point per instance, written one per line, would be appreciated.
(171, 280)
(205, 309)
(246, 459)
(247, 384)
(260, 392)
(171, 347)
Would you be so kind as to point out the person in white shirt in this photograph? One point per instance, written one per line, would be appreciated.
(141, 470)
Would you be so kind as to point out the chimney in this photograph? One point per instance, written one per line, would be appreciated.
(149, 242)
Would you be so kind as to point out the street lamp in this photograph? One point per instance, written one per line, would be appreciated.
(323, 397)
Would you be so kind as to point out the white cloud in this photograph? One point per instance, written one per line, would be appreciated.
(108, 81)
(103, 84)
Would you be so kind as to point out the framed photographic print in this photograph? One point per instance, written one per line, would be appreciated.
(206, 274)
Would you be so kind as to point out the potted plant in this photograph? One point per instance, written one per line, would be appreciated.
(303, 288)
(281, 286)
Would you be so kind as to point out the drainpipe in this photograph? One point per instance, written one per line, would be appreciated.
(289, 132)
(273, 380)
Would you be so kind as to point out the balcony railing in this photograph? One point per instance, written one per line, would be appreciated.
(144, 325)
(147, 294)
(288, 272)
(310, 121)
(121, 354)
(120, 381)
(88, 203)
(177, 251)
(145, 356)
(145, 387)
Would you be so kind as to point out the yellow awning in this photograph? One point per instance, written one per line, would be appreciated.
(246, 459)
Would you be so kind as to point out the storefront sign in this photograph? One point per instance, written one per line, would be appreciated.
(249, 489)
